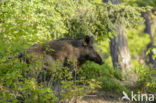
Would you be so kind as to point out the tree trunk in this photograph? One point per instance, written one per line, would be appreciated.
(113, 1)
(148, 30)
(147, 24)
(120, 52)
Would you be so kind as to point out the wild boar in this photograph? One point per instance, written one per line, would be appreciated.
(64, 49)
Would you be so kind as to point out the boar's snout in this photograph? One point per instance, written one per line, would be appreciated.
(100, 62)
(98, 59)
(94, 56)
(90, 51)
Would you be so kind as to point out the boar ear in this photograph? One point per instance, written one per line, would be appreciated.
(88, 40)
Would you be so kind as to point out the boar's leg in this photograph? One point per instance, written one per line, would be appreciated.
(48, 70)
(45, 74)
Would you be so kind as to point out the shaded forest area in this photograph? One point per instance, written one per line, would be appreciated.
(124, 33)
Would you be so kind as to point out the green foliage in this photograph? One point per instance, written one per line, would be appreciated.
(25, 19)
(137, 38)
(138, 49)
(100, 19)
(146, 81)
(107, 75)
(141, 2)
(20, 83)
(21, 86)
(93, 70)
(42, 20)
(25, 22)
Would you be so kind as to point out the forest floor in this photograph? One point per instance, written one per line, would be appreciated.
(101, 97)
(105, 97)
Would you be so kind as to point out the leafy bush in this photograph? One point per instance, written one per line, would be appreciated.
(18, 85)
(105, 74)
(139, 58)
(145, 79)
(25, 22)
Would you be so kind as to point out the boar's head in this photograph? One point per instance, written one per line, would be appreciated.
(89, 52)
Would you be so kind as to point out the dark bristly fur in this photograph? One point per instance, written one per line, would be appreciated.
(64, 49)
